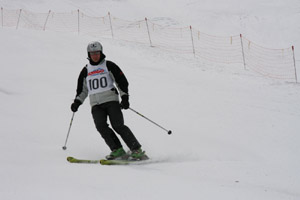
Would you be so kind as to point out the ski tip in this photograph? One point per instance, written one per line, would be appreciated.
(70, 158)
(102, 162)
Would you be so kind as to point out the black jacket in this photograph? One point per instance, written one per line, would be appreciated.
(103, 97)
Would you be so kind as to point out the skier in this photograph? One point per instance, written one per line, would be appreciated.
(99, 80)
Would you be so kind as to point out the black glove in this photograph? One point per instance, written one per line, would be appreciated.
(75, 105)
(125, 102)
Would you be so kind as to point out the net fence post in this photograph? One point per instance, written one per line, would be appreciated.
(192, 38)
(78, 21)
(46, 20)
(111, 29)
(293, 49)
(148, 31)
(243, 53)
(19, 19)
(2, 16)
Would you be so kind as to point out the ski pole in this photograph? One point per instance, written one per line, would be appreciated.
(168, 131)
(65, 147)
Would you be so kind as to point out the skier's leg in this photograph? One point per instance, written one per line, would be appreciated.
(117, 122)
(99, 113)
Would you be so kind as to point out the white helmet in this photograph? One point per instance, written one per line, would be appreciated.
(94, 46)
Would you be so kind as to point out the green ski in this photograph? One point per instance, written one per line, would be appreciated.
(115, 162)
(75, 160)
(107, 162)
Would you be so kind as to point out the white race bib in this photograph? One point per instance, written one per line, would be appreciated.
(98, 79)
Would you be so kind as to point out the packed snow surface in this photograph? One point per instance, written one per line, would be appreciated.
(235, 133)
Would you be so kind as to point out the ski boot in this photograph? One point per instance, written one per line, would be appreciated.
(138, 154)
(117, 154)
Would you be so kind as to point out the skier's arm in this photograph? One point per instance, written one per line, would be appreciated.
(119, 77)
(82, 91)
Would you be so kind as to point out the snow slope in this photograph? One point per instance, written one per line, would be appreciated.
(235, 134)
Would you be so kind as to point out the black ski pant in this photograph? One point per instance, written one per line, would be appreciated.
(113, 111)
